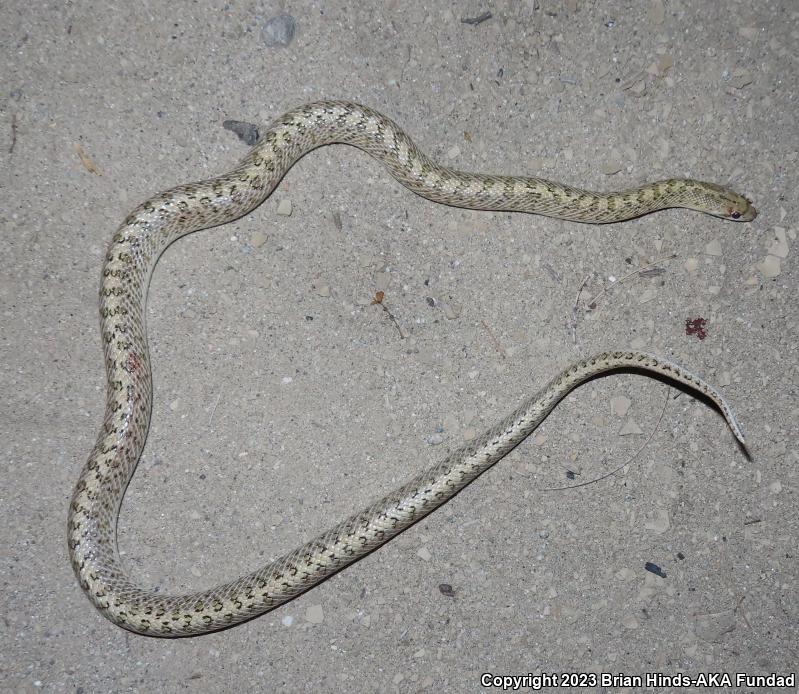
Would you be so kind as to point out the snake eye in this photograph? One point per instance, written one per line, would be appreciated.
(735, 214)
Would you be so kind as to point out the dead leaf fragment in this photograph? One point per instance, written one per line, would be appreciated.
(85, 159)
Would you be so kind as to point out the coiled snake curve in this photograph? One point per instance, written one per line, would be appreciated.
(129, 263)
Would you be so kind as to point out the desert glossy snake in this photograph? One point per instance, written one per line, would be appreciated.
(129, 263)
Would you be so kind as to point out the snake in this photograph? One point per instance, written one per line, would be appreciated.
(132, 255)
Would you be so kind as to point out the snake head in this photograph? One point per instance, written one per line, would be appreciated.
(725, 203)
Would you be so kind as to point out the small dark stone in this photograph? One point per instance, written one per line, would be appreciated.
(654, 569)
(446, 589)
(247, 132)
(279, 31)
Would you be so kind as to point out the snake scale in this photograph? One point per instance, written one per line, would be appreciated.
(129, 263)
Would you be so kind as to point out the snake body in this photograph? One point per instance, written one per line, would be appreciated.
(129, 263)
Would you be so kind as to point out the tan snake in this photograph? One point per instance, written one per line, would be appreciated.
(129, 263)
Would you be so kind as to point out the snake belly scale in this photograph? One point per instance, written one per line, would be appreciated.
(159, 221)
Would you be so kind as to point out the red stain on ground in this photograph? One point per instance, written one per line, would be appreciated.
(696, 326)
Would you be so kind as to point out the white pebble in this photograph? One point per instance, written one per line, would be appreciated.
(779, 245)
(630, 622)
(284, 207)
(770, 267)
(435, 439)
(315, 614)
(630, 428)
(619, 405)
(647, 295)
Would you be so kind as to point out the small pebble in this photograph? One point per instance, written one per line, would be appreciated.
(451, 311)
(446, 589)
(647, 295)
(246, 132)
(630, 622)
(741, 78)
(611, 167)
(660, 523)
(691, 264)
(770, 267)
(284, 207)
(630, 428)
(713, 248)
(323, 290)
(287, 621)
(665, 63)
(435, 439)
(453, 152)
(779, 245)
(655, 569)
(619, 405)
(258, 239)
(424, 554)
(657, 12)
(279, 31)
(314, 614)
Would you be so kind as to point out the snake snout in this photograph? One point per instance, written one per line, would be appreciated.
(744, 211)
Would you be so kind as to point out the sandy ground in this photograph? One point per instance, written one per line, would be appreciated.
(285, 400)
